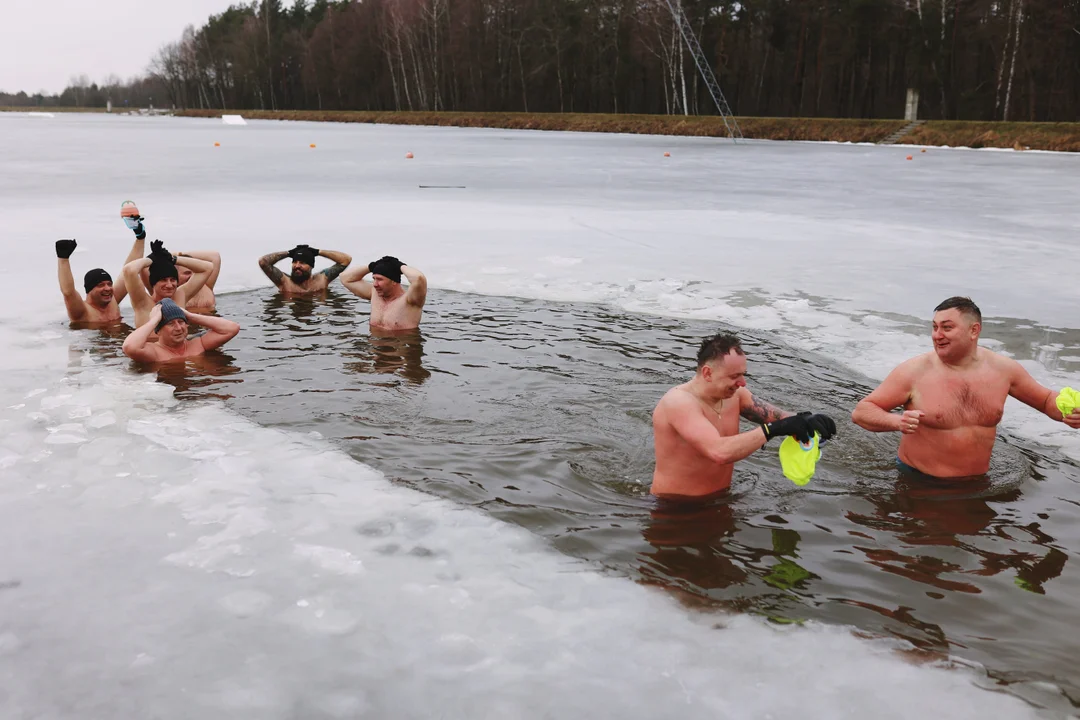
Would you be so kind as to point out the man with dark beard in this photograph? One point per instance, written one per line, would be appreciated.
(301, 281)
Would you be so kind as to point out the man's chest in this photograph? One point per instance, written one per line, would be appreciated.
(960, 399)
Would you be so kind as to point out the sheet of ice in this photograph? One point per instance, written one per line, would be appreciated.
(213, 568)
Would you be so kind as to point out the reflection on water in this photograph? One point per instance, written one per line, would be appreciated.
(389, 352)
(540, 414)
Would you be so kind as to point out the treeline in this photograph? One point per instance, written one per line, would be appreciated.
(141, 92)
(969, 59)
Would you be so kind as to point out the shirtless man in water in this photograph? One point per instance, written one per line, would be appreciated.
(392, 306)
(696, 425)
(101, 306)
(171, 322)
(952, 399)
(164, 279)
(203, 301)
(301, 281)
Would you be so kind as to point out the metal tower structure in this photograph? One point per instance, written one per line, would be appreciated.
(675, 6)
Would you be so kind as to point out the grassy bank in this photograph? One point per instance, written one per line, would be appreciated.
(1035, 136)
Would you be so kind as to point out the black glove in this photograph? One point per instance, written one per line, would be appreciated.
(158, 251)
(823, 425)
(300, 250)
(64, 248)
(136, 224)
(392, 259)
(802, 426)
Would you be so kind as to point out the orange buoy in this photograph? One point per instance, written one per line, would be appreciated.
(408, 156)
(908, 157)
(312, 145)
(923, 150)
(217, 144)
(667, 154)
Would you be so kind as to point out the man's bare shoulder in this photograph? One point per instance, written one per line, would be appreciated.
(677, 400)
(913, 367)
(996, 360)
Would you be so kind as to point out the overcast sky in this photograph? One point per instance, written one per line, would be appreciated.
(45, 42)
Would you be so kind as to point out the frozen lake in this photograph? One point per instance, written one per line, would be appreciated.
(237, 550)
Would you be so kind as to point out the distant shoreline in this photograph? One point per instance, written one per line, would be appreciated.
(1061, 137)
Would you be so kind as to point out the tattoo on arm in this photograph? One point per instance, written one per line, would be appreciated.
(333, 271)
(266, 263)
(762, 412)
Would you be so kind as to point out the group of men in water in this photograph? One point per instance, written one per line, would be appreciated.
(952, 398)
(172, 292)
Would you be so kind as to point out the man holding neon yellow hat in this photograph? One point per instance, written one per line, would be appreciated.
(953, 399)
(696, 427)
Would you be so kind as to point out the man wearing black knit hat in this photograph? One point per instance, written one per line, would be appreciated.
(392, 306)
(164, 280)
(302, 281)
(102, 302)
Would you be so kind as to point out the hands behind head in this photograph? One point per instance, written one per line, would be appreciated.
(387, 259)
(155, 314)
(299, 252)
(802, 427)
(64, 248)
(158, 252)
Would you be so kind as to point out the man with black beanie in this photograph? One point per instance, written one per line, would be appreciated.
(164, 280)
(102, 302)
(392, 306)
(301, 281)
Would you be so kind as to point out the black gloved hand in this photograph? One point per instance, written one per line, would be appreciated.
(391, 258)
(299, 252)
(802, 427)
(136, 224)
(823, 425)
(64, 248)
(158, 251)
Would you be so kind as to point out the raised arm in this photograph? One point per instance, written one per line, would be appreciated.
(695, 429)
(210, 256)
(221, 330)
(341, 261)
(874, 412)
(200, 273)
(137, 345)
(73, 301)
(267, 262)
(417, 292)
(353, 280)
(140, 298)
(138, 248)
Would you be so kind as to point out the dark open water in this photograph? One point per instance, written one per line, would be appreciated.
(539, 413)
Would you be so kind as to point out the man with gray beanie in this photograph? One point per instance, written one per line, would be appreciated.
(301, 281)
(164, 280)
(392, 306)
(170, 322)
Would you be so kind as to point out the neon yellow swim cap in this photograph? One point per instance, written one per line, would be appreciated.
(798, 460)
(1068, 400)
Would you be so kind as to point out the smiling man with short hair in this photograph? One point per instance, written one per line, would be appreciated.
(952, 399)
